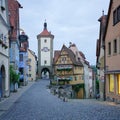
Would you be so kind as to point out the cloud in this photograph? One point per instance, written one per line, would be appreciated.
(69, 20)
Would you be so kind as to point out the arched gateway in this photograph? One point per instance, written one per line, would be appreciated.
(45, 53)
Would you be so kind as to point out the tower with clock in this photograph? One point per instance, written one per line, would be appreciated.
(45, 53)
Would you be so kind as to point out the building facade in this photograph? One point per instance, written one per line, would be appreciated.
(69, 71)
(23, 55)
(13, 8)
(4, 49)
(32, 61)
(81, 57)
(100, 55)
(45, 53)
(112, 52)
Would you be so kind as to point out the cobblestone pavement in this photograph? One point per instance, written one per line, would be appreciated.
(37, 103)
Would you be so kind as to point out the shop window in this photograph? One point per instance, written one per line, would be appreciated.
(111, 83)
(118, 84)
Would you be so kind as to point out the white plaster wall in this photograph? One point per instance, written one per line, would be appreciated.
(4, 12)
(33, 66)
(45, 55)
(4, 53)
(5, 61)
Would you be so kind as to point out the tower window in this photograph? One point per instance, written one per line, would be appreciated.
(45, 41)
(45, 62)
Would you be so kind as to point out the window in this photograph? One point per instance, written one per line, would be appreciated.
(118, 12)
(115, 46)
(1, 2)
(111, 83)
(29, 75)
(45, 41)
(75, 78)
(63, 59)
(45, 62)
(1, 5)
(21, 57)
(118, 84)
(109, 48)
(116, 15)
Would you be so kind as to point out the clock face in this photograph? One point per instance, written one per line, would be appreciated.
(45, 49)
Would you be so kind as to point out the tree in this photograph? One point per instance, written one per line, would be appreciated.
(14, 77)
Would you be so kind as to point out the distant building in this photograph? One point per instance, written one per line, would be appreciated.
(23, 55)
(69, 71)
(100, 55)
(13, 8)
(32, 62)
(45, 53)
(4, 50)
(112, 52)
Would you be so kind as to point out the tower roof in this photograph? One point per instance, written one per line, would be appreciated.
(45, 32)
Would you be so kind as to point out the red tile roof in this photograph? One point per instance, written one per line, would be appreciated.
(45, 32)
(56, 55)
(13, 8)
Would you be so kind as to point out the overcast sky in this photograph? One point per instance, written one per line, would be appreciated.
(73, 21)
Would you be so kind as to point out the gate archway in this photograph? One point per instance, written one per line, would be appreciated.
(45, 73)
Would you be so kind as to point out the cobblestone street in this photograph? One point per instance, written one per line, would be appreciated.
(37, 103)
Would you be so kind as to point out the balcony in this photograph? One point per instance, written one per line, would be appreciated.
(64, 78)
(64, 68)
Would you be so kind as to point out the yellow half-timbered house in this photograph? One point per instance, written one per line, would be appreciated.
(68, 70)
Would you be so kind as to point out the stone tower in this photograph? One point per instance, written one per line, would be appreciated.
(45, 53)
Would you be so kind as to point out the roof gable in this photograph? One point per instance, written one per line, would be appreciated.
(67, 52)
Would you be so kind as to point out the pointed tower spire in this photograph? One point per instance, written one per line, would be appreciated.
(45, 25)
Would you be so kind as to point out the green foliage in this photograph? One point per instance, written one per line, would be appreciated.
(97, 84)
(14, 77)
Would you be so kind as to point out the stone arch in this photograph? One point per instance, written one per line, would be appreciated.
(45, 73)
(2, 81)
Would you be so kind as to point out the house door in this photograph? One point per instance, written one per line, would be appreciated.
(0, 84)
(2, 81)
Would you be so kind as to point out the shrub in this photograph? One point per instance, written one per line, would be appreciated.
(14, 77)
